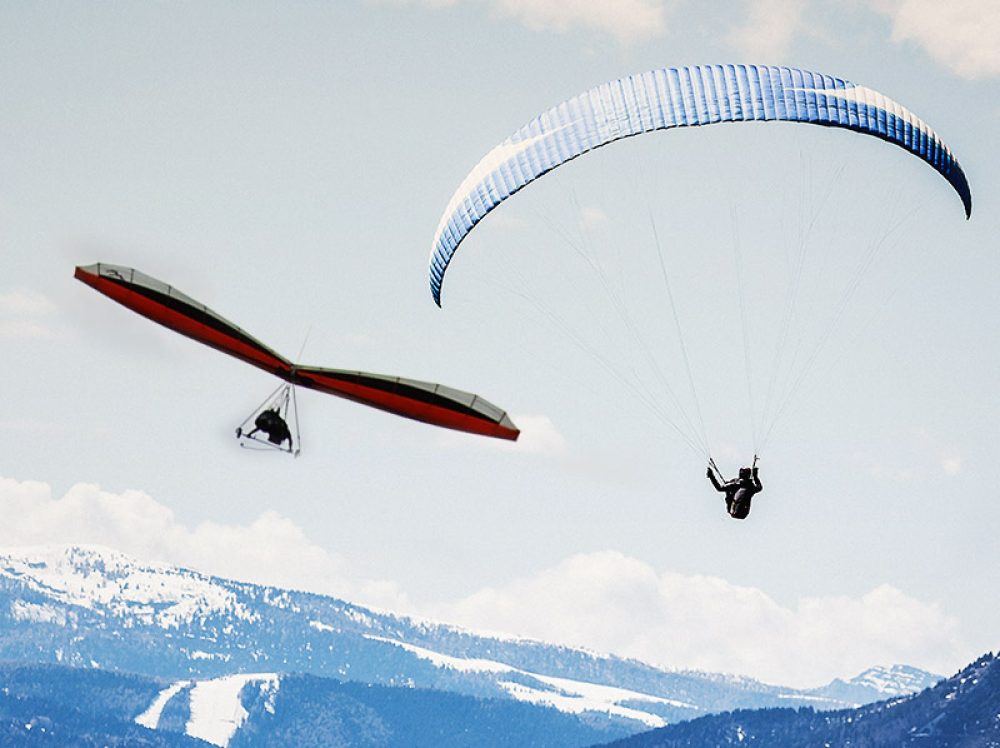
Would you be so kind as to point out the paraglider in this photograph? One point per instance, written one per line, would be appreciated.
(739, 491)
(684, 97)
(421, 401)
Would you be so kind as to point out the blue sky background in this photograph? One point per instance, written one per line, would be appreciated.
(287, 165)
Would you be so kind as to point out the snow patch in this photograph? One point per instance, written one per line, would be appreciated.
(35, 613)
(567, 695)
(198, 654)
(797, 696)
(269, 689)
(358, 617)
(151, 717)
(461, 664)
(216, 710)
(601, 693)
(575, 704)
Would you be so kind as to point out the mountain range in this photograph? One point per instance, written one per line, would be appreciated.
(97, 609)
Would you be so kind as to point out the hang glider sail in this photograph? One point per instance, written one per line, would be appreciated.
(678, 97)
(421, 401)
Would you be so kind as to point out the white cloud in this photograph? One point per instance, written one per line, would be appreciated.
(26, 314)
(605, 601)
(909, 459)
(26, 303)
(628, 21)
(884, 470)
(949, 458)
(963, 35)
(610, 602)
(539, 436)
(592, 218)
(270, 549)
(768, 30)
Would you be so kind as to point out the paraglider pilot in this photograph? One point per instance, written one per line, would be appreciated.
(738, 491)
(271, 423)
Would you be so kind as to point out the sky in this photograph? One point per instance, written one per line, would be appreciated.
(287, 165)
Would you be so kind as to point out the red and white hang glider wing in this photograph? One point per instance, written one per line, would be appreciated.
(422, 401)
(169, 307)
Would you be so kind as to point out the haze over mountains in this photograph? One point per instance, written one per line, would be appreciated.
(272, 657)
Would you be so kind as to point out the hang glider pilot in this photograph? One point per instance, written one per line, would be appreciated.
(271, 423)
(738, 491)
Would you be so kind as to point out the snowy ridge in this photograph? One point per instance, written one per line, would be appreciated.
(112, 583)
(564, 694)
(898, 680)
(878, 683)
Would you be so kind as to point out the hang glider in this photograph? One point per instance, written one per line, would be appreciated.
(421, 401)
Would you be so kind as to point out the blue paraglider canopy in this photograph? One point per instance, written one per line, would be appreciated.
(671, 98)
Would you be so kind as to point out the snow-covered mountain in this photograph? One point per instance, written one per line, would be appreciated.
(958, 712)
(93, 607)
(878, 683)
